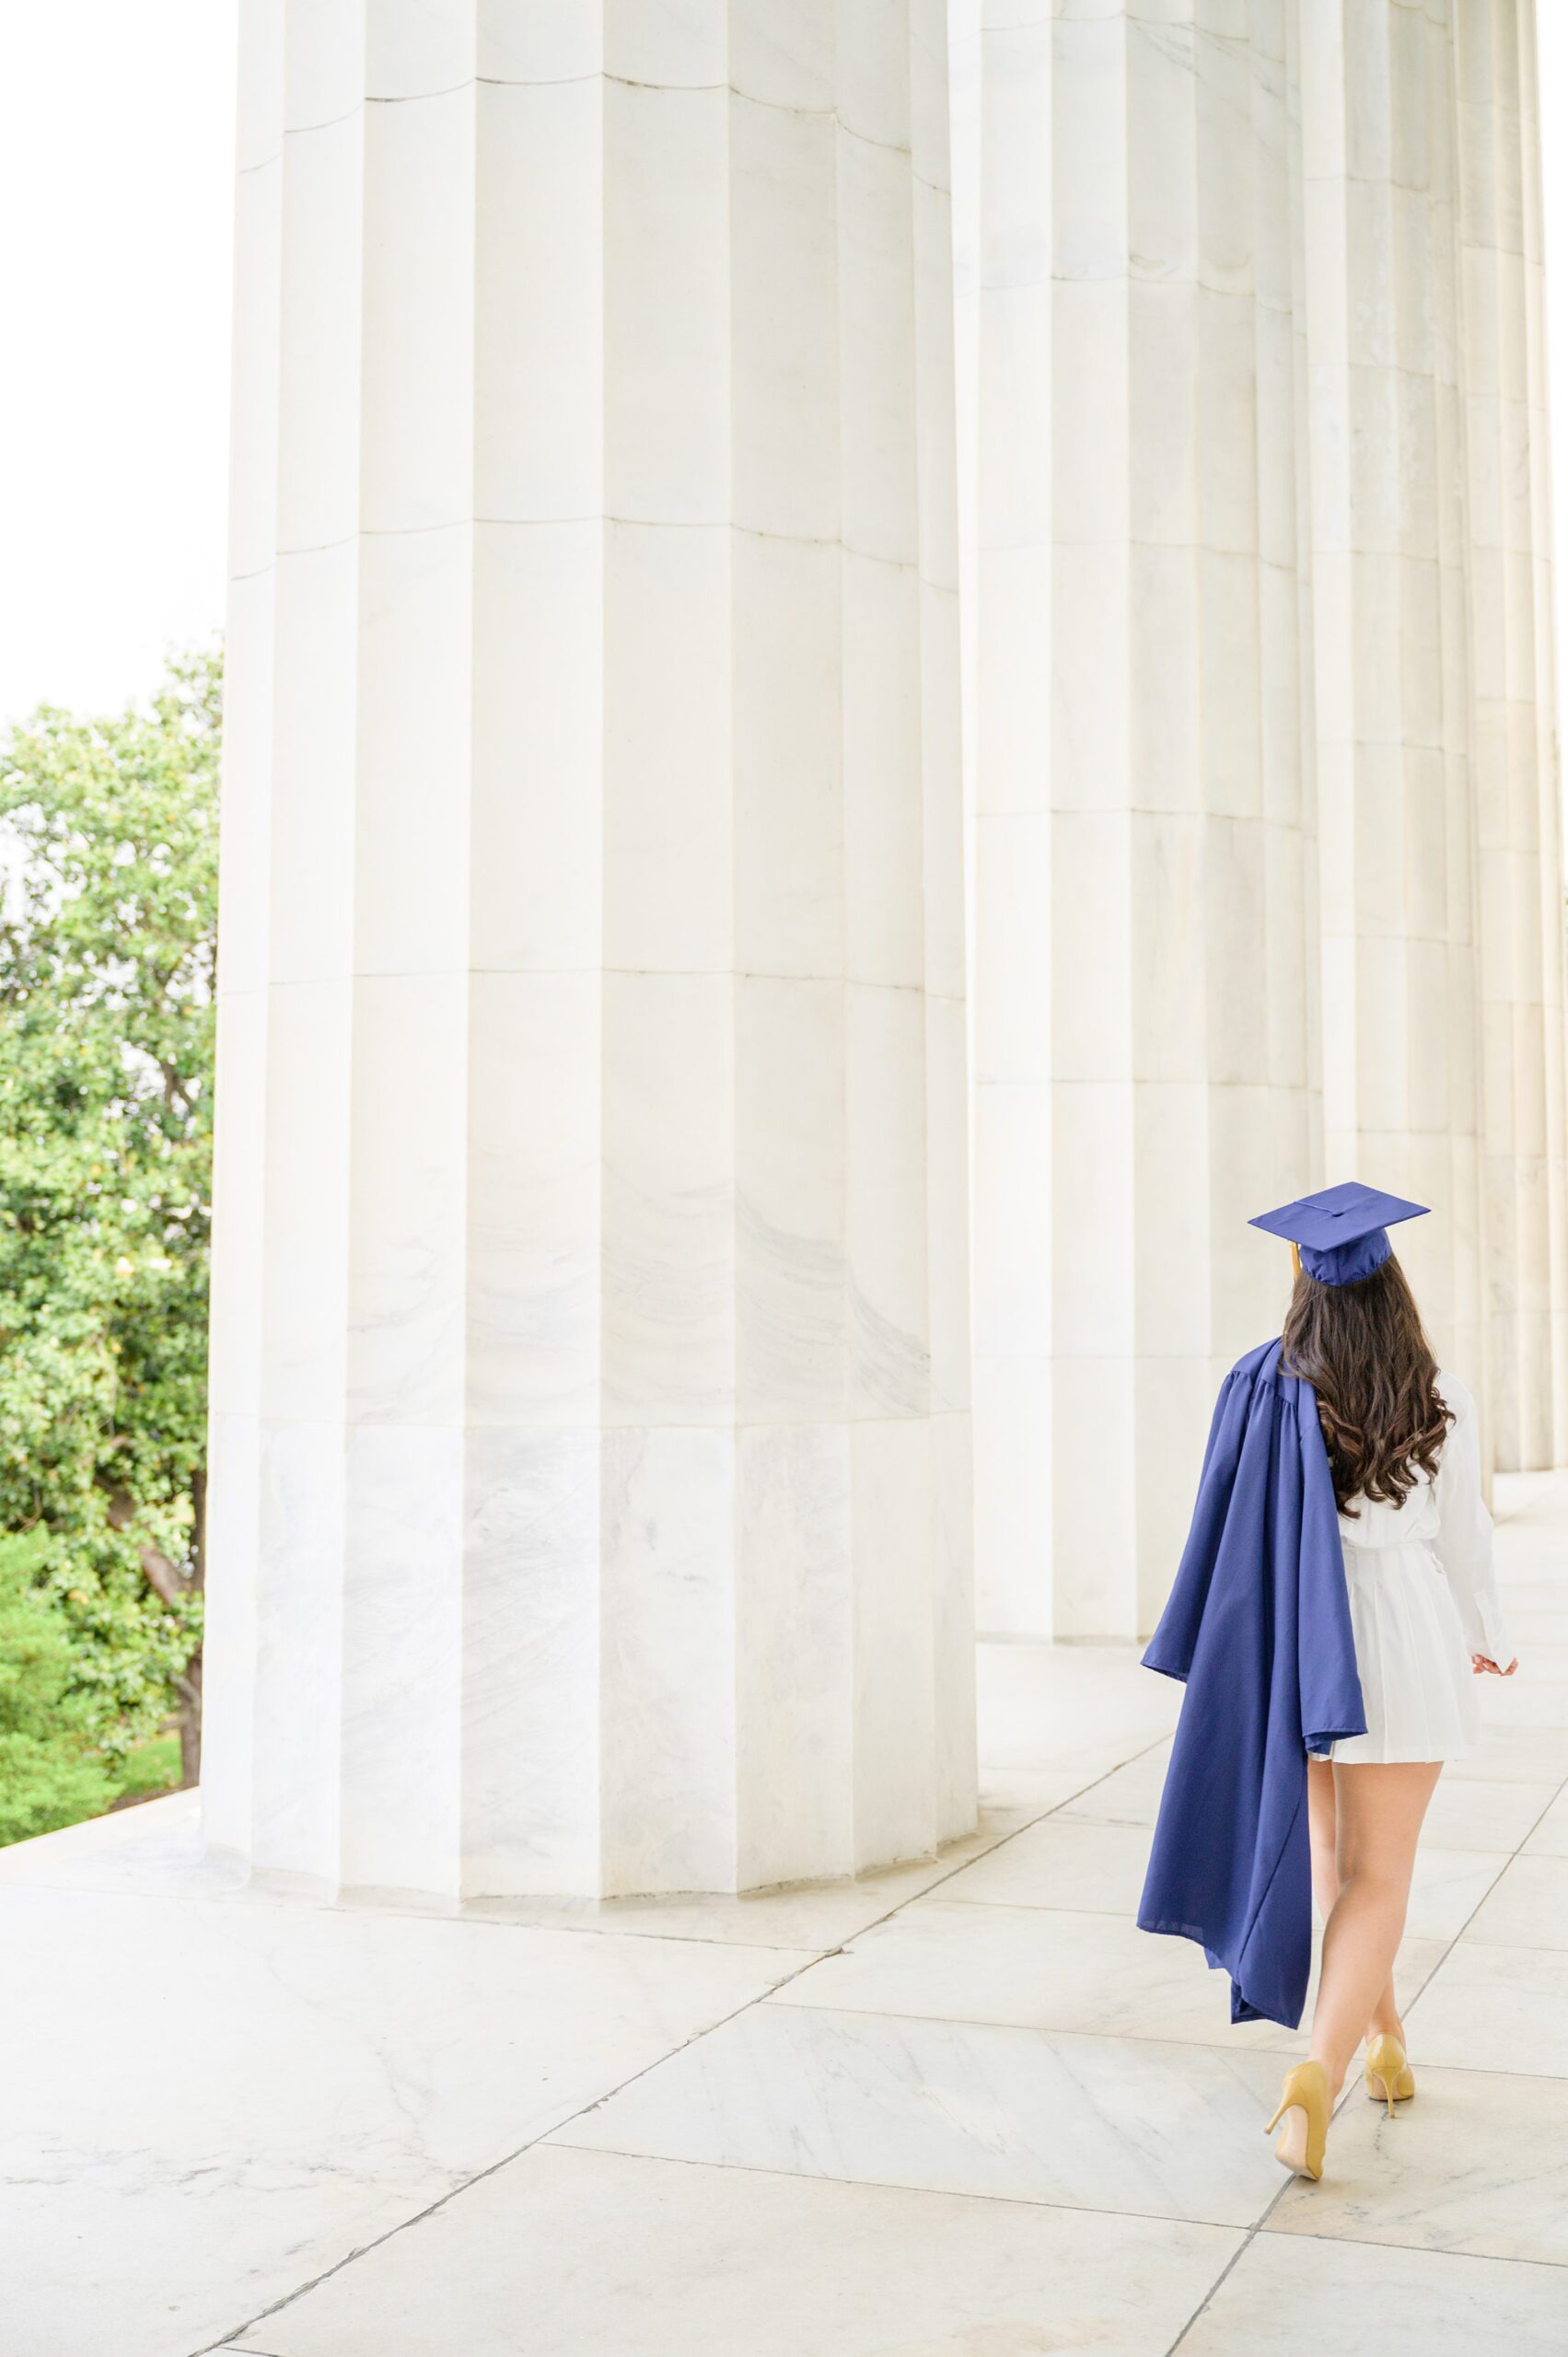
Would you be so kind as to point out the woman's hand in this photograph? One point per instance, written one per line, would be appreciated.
(1485, 1668)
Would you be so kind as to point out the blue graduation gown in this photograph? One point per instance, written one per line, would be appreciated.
(1259, 1627)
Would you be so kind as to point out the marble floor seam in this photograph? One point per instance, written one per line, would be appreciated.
(1232, 2263)
(1388, 2241)
(1163, 2037)
(557, 2138)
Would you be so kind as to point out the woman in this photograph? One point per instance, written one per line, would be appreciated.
(1399, 1603)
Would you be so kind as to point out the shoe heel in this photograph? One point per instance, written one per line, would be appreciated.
(1388, 2077)
(1306, 2090)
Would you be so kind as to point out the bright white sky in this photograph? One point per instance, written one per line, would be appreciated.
(116, 160)
(116, 191)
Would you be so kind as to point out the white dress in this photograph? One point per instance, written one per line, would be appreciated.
(1423, 1599)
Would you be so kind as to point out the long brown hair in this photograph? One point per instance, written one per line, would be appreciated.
(1363, 1349)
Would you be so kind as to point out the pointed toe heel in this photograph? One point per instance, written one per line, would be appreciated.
(1304, 2106)
(1390, 2078)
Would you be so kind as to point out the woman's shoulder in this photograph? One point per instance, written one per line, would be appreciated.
(1455, 1396)
(1254, 1362)
(1250, 1377)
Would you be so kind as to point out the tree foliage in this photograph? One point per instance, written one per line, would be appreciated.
(107, 935)
(51, 1771)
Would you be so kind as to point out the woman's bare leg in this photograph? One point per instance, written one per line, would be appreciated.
(1322, 1820)
(1322, 1824)
(1385, 2016)
(1378, 1810)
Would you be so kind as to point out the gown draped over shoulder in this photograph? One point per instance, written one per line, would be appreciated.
(1258, 1629)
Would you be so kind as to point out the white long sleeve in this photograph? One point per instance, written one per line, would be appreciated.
(1464, 1539)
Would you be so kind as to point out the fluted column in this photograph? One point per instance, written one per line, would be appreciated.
(1144, 886)
(1515, 730)
(1392, 637)
(591, 1442)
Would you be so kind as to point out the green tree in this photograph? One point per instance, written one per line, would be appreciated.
(107, 936)
(50, 1771)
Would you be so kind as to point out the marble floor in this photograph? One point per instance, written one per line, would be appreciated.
(960, 2111)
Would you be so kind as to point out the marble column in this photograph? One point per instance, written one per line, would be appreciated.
(1509, 565)
(590, 1490)
(1145, 893)
(1392, 637)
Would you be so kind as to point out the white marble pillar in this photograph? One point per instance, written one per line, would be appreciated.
(591, 1503)
(1146, 891)
(1392, 637)
(1514, 730)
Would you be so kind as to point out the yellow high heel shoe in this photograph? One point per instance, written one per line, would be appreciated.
(1390, 2078)
(1304, 2106)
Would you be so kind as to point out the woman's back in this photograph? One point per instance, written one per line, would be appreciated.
(1383, 1522)
(1423, 1601)
(1375, 1524)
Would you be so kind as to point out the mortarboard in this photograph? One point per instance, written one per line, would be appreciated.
(1342, 1232)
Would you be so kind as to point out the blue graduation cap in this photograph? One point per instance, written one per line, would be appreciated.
(1343, 1231)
